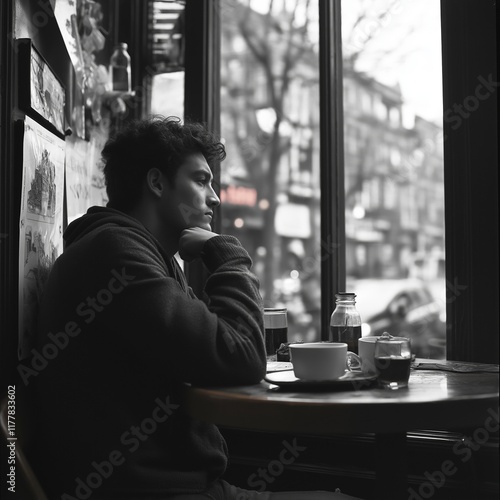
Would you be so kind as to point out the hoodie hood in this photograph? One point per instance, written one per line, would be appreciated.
(95, 218)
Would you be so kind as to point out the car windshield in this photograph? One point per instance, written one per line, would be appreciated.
(373, 296)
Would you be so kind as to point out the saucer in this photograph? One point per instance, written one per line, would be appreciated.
(278, 366)
(350, 380)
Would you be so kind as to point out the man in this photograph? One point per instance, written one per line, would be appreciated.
(129, 331)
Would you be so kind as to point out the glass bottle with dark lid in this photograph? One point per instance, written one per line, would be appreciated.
(345, 321)
(119, 67)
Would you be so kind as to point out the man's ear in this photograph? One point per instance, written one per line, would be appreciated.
(155, 182)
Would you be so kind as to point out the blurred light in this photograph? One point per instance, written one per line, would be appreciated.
(358, 212)
(297, 248)
(365, 329)
(294, 274)
(261, 251)
(263, 204)
(266, 118)
(239, 222)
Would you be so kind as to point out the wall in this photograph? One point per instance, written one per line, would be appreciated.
(83, 133)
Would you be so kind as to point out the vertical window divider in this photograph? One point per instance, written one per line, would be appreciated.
(332, 202)
(202, 93)
(10, 192)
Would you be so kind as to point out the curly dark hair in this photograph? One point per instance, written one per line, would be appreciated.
(156, 142)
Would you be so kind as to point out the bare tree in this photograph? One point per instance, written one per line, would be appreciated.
(370, 25)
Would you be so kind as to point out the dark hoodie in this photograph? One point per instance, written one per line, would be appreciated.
(125, 333)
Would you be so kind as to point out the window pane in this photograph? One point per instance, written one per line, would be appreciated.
(270, 126)
(394, 168)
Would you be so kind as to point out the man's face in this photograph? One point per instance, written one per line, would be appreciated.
(190, 200)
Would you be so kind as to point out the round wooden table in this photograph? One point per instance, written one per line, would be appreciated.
(434, 399)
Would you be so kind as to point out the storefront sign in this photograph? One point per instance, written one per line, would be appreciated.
(239, 195)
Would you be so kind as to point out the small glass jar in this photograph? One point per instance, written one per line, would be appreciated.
(345, 321)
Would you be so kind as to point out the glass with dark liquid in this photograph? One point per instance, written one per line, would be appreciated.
(393, 361)
(275, 329)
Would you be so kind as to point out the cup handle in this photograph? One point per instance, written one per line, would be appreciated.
(356, 366)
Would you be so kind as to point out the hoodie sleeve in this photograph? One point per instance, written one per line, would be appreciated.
(183, 338)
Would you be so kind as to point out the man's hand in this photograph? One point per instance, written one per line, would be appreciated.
(192, 241)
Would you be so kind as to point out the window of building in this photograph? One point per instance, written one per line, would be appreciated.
(395, 116)
(366, 101)
(379, 108)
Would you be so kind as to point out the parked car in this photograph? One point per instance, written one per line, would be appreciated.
(402, 307)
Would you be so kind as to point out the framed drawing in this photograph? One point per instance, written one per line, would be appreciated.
(40, 222)
(45, 95)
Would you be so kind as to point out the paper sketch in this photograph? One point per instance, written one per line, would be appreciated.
(41, 220)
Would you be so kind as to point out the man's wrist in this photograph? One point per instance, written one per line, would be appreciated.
(221, 249)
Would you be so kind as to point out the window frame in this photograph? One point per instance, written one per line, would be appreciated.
(202, 95)
(10, 193)
(470, 46)
(332, 200)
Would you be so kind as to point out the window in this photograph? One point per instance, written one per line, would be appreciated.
(269, 122)
(387, 46)
(390, 195)
(166, 40)
(475, 140)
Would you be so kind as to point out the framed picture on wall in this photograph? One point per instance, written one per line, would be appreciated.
(41, 93)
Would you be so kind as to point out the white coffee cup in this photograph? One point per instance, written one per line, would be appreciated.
(322, 360)
(366, 351)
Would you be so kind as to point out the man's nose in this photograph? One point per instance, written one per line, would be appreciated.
(213, 200)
